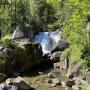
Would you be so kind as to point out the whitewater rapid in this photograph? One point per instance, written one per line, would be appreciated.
(48, 40)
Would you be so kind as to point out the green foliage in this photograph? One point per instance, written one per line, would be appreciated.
(83, 70)
(5, 20)
(65, 53)
(20, 50)
(20, 56)
(6, 40)
(85, 86)
(75, 29)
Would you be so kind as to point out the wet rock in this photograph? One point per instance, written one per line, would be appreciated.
(70, 83)
(49, 81)
(19, 82)
(55, 56)
(10, 87)
(56, 81)
(62, 45)
(2, 77)
(57, 65)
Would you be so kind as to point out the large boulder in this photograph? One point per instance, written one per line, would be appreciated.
(27, 52)
(27, 55)
(23, 54)
(16, 84)
(62, 45)
(6, 59)
(22, 34)
(74, 71)
(17, 34)
(55, 56)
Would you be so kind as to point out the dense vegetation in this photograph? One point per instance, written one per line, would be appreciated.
(70, 16)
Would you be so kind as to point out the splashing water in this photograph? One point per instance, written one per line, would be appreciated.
(48, 40)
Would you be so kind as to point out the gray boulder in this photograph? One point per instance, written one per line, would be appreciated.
(74, 71)
(6, 57)
(10, 87)
(62, 45)
(23, 54)
(28, 57)
(57, 65)
(56, 81)
(55, 56)
(17, 34)
(22, 34)
(21, 84)
(76, 87)
(70, 83)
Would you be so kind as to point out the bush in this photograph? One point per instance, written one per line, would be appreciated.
(6, 40)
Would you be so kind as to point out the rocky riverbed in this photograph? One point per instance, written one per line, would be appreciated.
(37, 65)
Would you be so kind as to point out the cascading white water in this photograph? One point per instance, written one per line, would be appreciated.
(48, 40)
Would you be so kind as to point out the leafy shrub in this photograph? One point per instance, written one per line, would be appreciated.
(6, 40)
(65, 53)
(20, 56)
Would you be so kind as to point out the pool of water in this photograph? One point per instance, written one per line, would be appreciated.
(40, 81)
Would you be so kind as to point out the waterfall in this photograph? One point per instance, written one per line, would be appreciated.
(48, 40)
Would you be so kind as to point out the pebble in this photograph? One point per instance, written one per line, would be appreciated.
(49, 81)
(63, 84)
(70, 83)
(75, 87)
(53, 85)
(50, 75)
(56, 81)
(8, 81)
(57, 65)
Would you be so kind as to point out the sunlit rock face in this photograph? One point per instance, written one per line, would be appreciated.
(48, 40)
